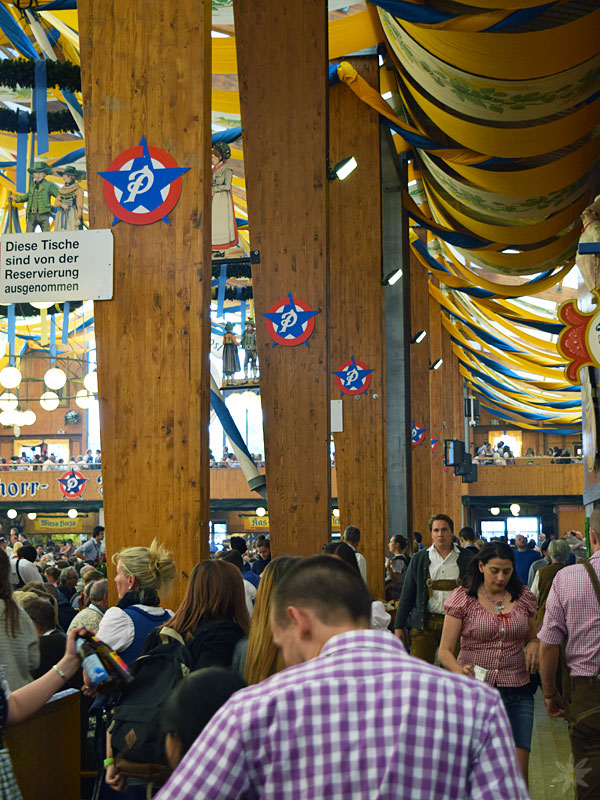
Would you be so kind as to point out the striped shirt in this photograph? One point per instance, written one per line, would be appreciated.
(495, 642)
(361, 720)
(573, 616)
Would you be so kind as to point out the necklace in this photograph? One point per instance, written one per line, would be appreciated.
(498, 604)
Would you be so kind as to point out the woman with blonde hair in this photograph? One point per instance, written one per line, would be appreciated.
(263, 658)
(141, 572)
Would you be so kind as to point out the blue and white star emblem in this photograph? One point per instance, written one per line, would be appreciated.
(290, 321)
(353, 377)
(72, 484)
(142, 185)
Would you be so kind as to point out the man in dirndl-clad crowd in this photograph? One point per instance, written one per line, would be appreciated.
(572, 621)
(432, 574)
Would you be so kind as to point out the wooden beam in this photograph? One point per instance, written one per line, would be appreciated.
(146, 71)
(420, 407)
(282, 66)
(356, 318)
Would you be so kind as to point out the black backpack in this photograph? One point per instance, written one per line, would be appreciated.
(136, 733)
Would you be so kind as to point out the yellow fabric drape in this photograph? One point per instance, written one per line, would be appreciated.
(520, 142)
(514, 55)
(528, 182)
(510, 234)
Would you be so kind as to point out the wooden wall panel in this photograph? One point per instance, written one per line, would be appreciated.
(419, 406)
(570, 518)
(282, 65)
(528, 480)
(356, 317)
(146, 70)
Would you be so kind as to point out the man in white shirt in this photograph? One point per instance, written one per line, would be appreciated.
(431, 575)
(22, 568)
(352, 537)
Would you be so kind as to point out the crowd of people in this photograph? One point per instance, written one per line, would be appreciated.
(45, 461)
(282, 677)
(501, 454)
(229, 459)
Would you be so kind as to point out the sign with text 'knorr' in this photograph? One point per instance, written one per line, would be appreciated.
(66, 265)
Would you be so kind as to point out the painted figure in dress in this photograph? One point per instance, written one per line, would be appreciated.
(69, 203)
(224, 228)
(231, 361)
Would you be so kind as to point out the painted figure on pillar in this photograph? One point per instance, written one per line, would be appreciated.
(231, 362)
(69, 203)
(249, 344)
(38, 198)
(224, 228)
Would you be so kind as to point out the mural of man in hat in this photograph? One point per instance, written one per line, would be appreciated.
(224, 228)
(249, 344)
(38, 197)
(69, 203)
(231, 362)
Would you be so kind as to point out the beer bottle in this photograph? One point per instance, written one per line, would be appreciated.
(112, 662)
(94, 669)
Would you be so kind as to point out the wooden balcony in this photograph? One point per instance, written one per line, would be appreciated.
(230, 484)
(527, 480)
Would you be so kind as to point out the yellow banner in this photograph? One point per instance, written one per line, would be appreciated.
(58, 524)
(253, 523)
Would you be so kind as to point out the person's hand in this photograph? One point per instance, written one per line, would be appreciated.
(555, 706)
(467, 669)
(532, 656)
(114, 779)
(399, 632)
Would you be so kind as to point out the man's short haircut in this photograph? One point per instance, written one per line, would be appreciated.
(234, 557)
(238, 543)
(442, 518)
(328, 587)
(65, 574)
(28, 552)
(41, 613)
(98, 590)
(559, 551)
(352, 535)
(467, 533)
(262, 541)
(98, 529)
(417, 536)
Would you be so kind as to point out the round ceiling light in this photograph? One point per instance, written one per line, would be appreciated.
(49, 401)
(10, 377)
(55, 378)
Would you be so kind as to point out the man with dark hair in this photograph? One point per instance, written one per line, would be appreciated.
(52, 641)
(91, 550)
(263, 548)
(239, 543)
(22, 567)
(466, 538)
(352, 538)
(324, 727)
(431, 575)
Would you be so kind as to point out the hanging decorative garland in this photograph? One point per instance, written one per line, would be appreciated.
(20, 73)
(58, 121)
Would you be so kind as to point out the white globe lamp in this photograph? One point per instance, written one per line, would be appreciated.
(8, 401)
(11, 513)
(72, 513)
(91, 382)
(10, 377)
(49, 401)
(42, 306)
(55, 378)
(83, 398)
(31, 515)
(29, 417)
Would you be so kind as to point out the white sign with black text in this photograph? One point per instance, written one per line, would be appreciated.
(66, 265)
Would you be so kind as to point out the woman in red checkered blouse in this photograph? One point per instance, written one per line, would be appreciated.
(493, 615)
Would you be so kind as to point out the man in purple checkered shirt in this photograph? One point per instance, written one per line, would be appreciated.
(354, 717)
(572, 618)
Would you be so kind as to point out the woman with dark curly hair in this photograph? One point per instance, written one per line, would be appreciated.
(493, 615)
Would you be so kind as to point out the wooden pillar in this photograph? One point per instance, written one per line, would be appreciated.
(146, 71)
(356, 318)
(420, 406)
(282, 67)
(439, 385)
